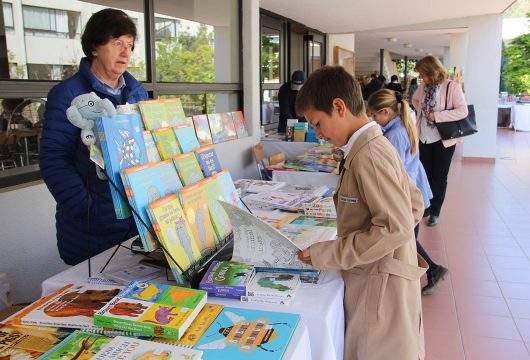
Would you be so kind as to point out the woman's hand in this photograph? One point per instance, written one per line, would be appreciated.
(430, 116)
(305, 256)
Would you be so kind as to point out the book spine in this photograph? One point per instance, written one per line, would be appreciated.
(258, 300)
(269, 295)
(136, 327)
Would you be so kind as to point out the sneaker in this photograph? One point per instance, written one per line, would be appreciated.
(435, 278)
(433, 220)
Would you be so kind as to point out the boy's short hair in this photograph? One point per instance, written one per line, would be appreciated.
(326, 84)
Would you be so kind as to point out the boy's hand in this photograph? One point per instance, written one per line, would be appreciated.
(305, 256)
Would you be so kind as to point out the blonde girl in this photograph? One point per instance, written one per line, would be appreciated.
(390, 111)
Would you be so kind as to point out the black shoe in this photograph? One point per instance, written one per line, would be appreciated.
(433, 220)
(435, 278)
(427, 212)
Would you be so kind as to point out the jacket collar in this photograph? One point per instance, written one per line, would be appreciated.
(368, 135)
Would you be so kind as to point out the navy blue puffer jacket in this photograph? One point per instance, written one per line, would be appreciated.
(85, 219)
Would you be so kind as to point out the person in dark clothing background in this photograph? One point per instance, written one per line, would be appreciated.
(372, 86)
(287, 98)
(394, 84)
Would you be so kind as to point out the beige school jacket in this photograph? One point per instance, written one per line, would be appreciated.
(377, 208)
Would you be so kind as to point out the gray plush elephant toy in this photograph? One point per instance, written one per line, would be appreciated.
(84, 110)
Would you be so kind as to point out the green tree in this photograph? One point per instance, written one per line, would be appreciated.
(516, 72)
(411, 64)
(270, 58)
(187, 57)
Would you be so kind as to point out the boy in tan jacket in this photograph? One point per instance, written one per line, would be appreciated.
(377, 208)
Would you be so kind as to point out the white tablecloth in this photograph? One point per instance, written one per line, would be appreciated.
(306, 178)
(320, 334)
(520, 117)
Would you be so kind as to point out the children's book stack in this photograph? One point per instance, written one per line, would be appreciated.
(152, 309)
(227, 279)
(272, 288)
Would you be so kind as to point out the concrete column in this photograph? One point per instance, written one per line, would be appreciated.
(481, 82)
(251, 66)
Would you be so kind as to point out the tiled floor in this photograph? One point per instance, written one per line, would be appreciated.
(482, 310)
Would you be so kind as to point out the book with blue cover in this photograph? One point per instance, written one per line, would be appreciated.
(186, 138)
(229, 190)
(227, 279)
(146, 184)
(248, 334)
(208, 160)
(188, 168)
(122, 146)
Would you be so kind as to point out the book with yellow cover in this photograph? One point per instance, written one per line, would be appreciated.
(174, 233)
(220, 220)
(166, 143)
(161, 113)
(188, 168)
(195, 207)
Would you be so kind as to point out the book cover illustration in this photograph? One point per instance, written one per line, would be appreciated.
(161, 113)
(188, 121)
(273, 285)
(258, 243)
(152, 309)
(227, 279)
(197, 328)
(220, 221)
(175, 234)
(229, 190)
(239, 124)
(279, 200)
(72, 306)
(128, 109)
(274, 218)
(186, 138)
(122, 144)
(188, 168)
(245, 333)
(304, 236)
(166, 143)
(217, 128)
(78, 345)
(146, 184)
(122, 347)
(228, 126)
(257, 186)
(197, 213)
(202, 129)
(321, 207)
(208, 160)
(23, 342)
(150, 147)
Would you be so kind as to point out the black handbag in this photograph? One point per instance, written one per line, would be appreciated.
(458, 128)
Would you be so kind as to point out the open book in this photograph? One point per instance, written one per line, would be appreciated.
(258, 243)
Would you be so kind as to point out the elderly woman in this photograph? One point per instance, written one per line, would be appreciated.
(430, 103)
(85, 218)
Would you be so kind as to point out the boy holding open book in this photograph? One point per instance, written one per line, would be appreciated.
(377, 208)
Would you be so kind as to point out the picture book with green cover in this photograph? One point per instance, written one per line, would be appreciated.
(227, 279)
(78, 345)
(166, 143)
(188, 168)
(174, 233)
(152, 309)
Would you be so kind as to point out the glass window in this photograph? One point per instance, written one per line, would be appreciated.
(8, 15)
(58, 30)
(165, 28)
(207, 103)
(270, 55)
(205, 47)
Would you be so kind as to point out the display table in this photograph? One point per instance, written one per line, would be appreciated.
(319, 335)
(306, 178)
(520, 117)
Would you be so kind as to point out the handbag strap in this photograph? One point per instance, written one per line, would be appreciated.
(446, 94)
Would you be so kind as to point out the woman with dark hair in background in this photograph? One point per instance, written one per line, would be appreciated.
(85, 218)
(429, 101)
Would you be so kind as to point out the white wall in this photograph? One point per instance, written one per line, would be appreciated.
(481, 82)
(457, 52)
(28, 246)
